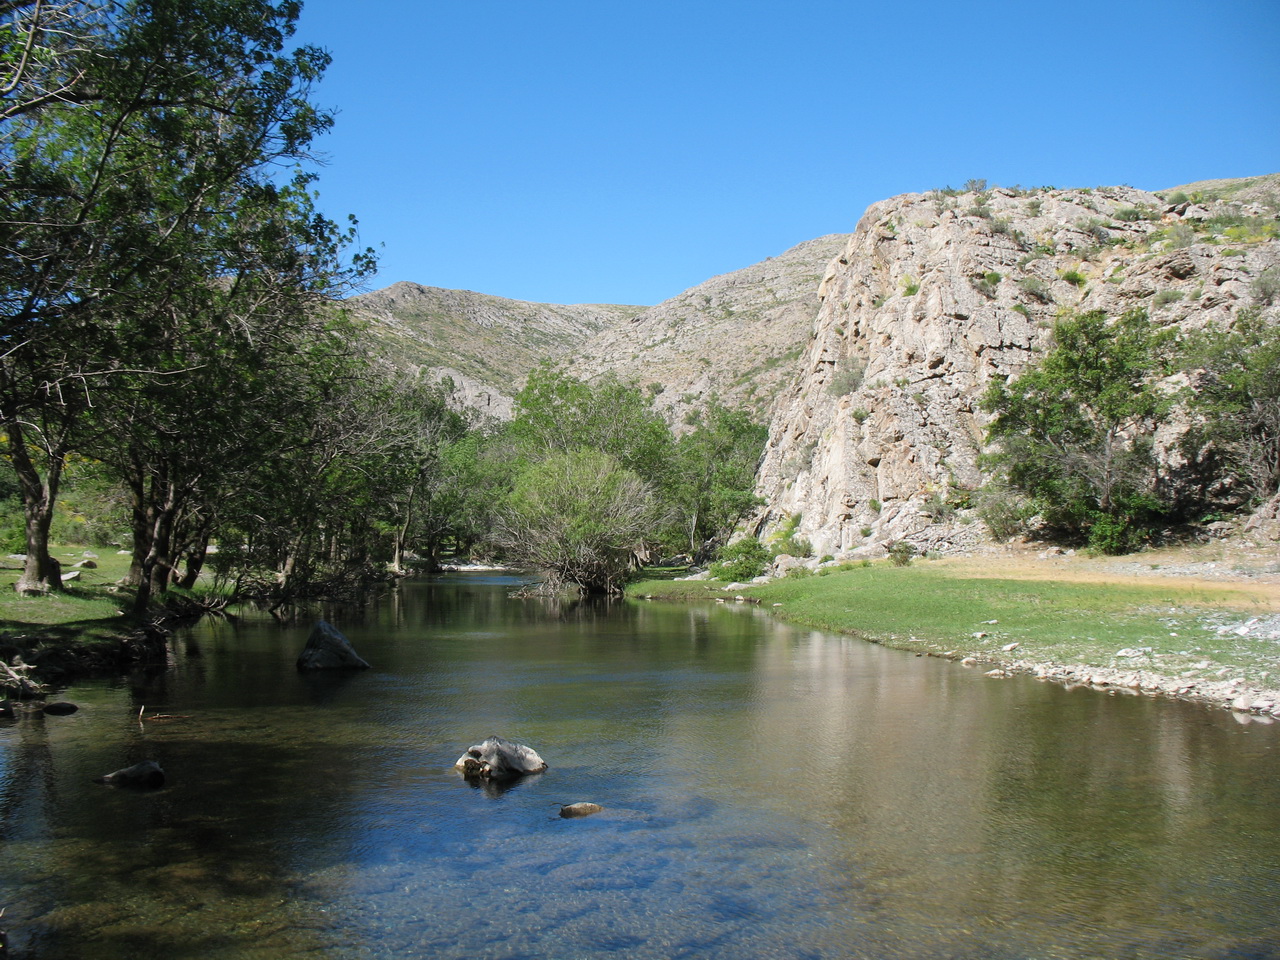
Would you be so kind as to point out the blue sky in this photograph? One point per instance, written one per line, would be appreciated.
(573, 152)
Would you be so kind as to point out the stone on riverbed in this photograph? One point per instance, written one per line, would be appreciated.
(146, 775)
(328, 649)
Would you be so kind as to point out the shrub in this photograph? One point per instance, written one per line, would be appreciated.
(1130, 214)
(1166, 297)
(865, 531)
(909, 285)
(1035, 287)
(742, 560)
(1266, 288)
(848, 377)
(901, 552)
(989, 283)
(1074, 277)
(1002, 511)
(860, 414)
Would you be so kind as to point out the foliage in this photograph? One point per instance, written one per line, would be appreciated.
(742, 560)
(580, 516)
(1074, 428)
(848, 377)
(1266, 288)
(1237, 394)
(901, 552)
(786, 541)
(142, 205)
(711, 480)
(556, 413)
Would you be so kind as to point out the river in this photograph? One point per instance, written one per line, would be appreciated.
(769, 791)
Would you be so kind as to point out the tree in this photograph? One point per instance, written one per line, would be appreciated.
(580, 516)
(1074, 429)
(1237, 394)
(140, 201)
(712, 483)
(556, 413)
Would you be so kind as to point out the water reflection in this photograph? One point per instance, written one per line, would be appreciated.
(767, 791)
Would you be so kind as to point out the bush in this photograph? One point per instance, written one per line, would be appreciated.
(1074, 277)
(1266, 289)
(742, 560)
(901, 552)
(1166, 297)
(848, 377)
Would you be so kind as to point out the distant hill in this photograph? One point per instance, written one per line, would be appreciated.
(486, 344)
(737, 336)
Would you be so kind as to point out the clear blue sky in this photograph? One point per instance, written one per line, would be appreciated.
(575, 152)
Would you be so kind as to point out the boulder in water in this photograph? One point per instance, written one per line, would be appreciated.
(497, 759)
(146, 775)
(328, 649)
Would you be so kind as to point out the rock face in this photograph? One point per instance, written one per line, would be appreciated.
(934, 296)
(328, 649)
(738, 336)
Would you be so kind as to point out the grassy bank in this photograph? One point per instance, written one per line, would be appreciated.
(1172, 629)
(79, 630)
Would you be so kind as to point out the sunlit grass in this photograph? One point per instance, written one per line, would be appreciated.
(935, 610)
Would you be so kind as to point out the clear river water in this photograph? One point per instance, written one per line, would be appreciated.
(769, 791)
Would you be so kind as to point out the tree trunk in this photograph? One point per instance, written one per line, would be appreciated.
(41, 573)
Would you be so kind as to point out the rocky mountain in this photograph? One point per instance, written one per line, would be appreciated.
(934, 295)
(485, 344)
(738, 336)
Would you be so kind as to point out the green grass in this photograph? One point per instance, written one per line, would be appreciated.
(87, 599)
(933, 610)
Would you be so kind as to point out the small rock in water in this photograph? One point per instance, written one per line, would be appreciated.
(583, 809)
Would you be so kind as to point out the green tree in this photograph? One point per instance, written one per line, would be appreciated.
(580, 516)
(140, 198)
(711, 482)
(1237, 394)
(556, 413)
(1074, 429)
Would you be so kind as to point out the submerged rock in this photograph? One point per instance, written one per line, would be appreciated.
(328, 649)
(146, 775)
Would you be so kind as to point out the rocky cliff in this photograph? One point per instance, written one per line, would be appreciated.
(934, 295)
(738, 336)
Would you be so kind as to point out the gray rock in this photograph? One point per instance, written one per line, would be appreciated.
(328, 649)
(497, 759)
(146, 775)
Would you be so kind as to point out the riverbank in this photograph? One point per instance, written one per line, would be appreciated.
(1194, 623)
(82, 631)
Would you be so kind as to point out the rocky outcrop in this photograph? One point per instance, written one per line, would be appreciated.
(934, 296)
(737, 336)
